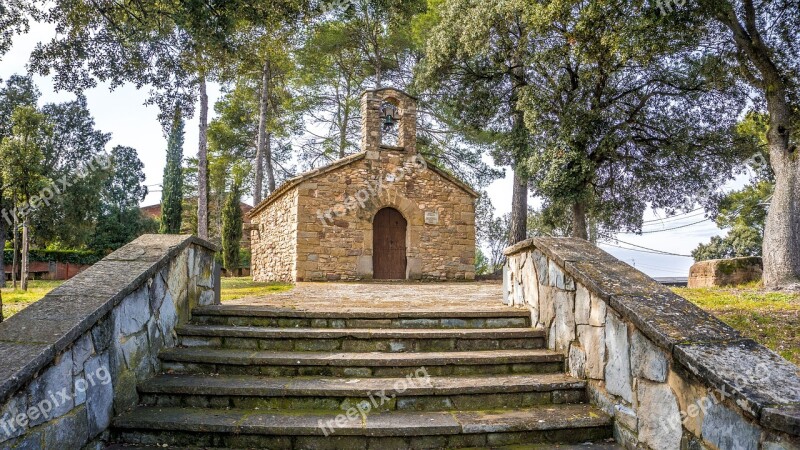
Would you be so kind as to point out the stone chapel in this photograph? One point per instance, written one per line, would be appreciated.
(384, 213)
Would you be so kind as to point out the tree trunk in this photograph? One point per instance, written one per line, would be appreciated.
(268, 160)
(15, 257)
(3, 228)
(782, 233)
(579, 226)
(25, 251)
(202, 164)
(519, 204)
(518, 231)
(258, 190)
(781, 250)
(343, 130)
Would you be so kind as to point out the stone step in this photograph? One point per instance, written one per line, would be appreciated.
(386, 394)
(343, 364)
(263, 316)
(359, 339)
(200, 427)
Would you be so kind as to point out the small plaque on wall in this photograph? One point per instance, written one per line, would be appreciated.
(432, 217)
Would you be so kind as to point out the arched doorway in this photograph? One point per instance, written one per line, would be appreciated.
(389, 245)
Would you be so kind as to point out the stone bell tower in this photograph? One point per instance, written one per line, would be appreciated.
(375, 105)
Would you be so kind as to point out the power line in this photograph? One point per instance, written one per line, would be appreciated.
(673, 217)
(662, 269)
(638, 251)
(673, 228)
(648, 250)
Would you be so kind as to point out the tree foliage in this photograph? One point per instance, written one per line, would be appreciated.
(744, 214)
(232, 221)
(172, 185)
(120, 220)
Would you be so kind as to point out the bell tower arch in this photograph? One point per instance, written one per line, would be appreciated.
(388, 120)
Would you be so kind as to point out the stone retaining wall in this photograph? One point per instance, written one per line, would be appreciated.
(672, 375)
(71, 361)
(725, 272)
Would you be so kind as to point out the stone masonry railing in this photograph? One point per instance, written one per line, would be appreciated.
(71, 361)
(672, 375)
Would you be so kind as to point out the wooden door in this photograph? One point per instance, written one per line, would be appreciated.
(389, 245)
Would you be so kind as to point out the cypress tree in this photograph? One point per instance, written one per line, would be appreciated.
(232, 227)
(172, 193)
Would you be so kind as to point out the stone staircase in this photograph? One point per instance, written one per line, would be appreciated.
(279, 378)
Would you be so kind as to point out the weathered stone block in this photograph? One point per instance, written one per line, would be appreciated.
(593, 341)
(54, 388)
(727, 429)
(583, 305)
(81, 351)
(9, 427)
(132, 314)
(597, 316)
(618, 368)
(564, 320)
(556, 275)
(158, 289)
(626, 416)
(659, 416)
(647, 360)
(725, 272)
(547, 307)
(541, 266)
(99, 395)
(68, 432)
(577, 361)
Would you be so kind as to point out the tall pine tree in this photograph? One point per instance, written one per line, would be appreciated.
(232, 226)
(172, 194)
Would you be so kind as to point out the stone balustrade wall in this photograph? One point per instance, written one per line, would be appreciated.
(671, 375)
(71, 361)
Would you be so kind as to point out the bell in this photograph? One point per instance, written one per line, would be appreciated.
(388, 122)
(390, 116)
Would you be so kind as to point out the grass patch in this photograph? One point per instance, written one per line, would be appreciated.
(232, 289)
(236, 288)
(16, 301)
(771, 318)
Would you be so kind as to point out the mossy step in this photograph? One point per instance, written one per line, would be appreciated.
(360, 340)
(375, 364)
(391, 394)
(357, 313)
(361, 318)
(299, 322)
(362, 333)
(384, 430)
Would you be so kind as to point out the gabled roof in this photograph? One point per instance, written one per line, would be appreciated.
(293, 182)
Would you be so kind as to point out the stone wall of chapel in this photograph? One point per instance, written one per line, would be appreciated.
(334, 232)
(274, 240)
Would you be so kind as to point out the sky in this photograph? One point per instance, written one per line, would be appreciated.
(122, 113)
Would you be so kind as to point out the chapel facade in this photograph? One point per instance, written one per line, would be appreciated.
(384, 213)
